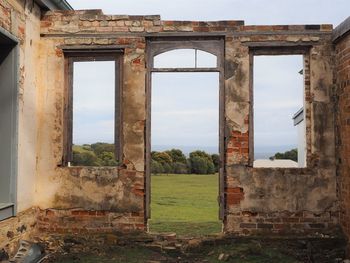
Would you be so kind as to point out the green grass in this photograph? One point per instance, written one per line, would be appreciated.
(185, 204)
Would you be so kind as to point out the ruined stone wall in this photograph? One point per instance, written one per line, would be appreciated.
(281, 200)
(342, 50)
(256, 199)
(21, 19)
(117, 194)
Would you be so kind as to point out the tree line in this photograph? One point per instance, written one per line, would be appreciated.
(97, 154)
(289, 155)
(174, 161)
(171, 161)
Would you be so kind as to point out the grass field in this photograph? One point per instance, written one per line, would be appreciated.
(185, 204)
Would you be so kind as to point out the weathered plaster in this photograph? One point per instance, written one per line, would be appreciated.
(78, 199)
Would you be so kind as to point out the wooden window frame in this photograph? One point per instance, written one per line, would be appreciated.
(72, 56)
(268, 49)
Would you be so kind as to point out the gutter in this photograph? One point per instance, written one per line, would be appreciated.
(54, 5)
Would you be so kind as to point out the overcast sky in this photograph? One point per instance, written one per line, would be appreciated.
(252, 11)
(185, 106)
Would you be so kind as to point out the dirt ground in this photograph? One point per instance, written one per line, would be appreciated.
(220, 250)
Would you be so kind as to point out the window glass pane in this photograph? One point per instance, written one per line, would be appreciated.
(206, 60)
(93, 113)
(178, 58)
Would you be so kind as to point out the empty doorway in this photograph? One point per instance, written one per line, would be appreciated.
(184, 146)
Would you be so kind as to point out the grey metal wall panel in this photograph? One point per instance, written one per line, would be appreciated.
(8, 126)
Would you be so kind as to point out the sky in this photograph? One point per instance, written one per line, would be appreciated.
(93, 102)
(251, 11)
(185, 109)
(276, 99)
(189, 102)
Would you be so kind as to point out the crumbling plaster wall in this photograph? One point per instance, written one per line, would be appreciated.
(21, 19)
(118, 191)
(23, 22)
(281, 200)
(274, 200)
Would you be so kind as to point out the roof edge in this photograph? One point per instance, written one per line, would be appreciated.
(54, 4)
(341, 30)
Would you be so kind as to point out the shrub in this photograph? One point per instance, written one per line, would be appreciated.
(85, 159)
(180, 168)
(101, 147)
(156, 167)
(289, 155)
(162, 157)
(177, 156)
(107, 159)
(216, 161)
(199, 165)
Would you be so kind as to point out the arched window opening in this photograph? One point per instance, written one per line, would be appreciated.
(185, 58)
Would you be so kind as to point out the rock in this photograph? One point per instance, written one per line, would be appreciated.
(3, 255)
(196, 242)
(169, 248)
(154, 247)
(223, 257)
(178, 245)
(170, 236)
(111, 239)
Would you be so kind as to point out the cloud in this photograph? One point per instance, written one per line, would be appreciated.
(252, 11)
(93, 131)
(185, 106)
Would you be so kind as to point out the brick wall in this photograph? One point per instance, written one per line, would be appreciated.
(274, 200)
(283, 222)
(75, 221)
(342, 48)
(78, 200)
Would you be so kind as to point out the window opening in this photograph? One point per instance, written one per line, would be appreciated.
(185, 58)
(279, 125)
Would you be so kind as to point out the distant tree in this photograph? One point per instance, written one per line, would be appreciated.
(101, 147)
(174, 161)
(216, 161)
(162, 157)
(87, 147)
(156, 167)
(210, 167)
(180, 168)
(177, 156)
(85, 158)
(288, 155)
(107, 159)
(168, 168)
(201, 163)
